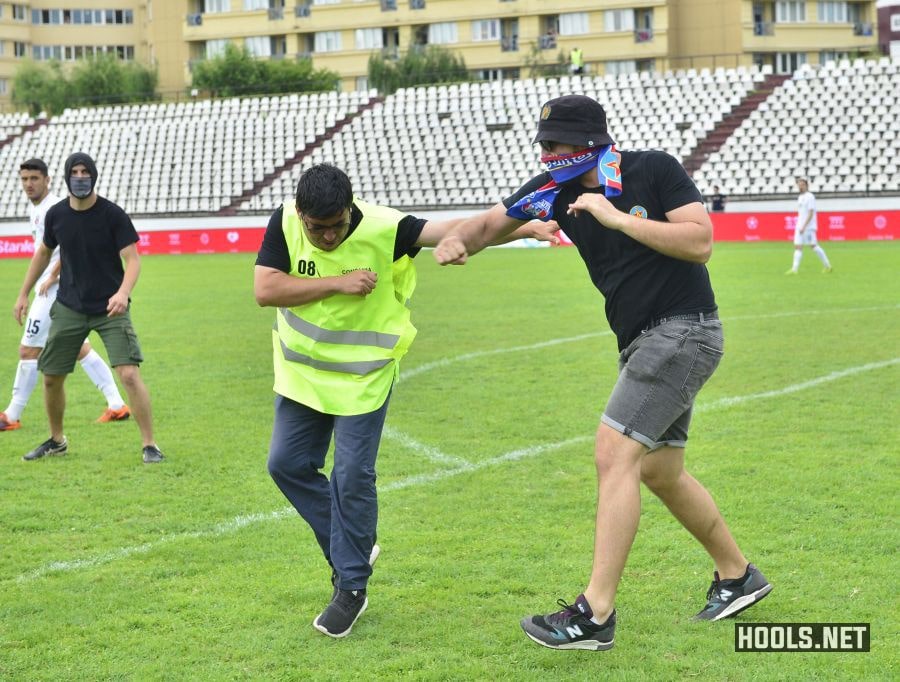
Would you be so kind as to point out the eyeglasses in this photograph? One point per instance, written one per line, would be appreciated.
(319, 227)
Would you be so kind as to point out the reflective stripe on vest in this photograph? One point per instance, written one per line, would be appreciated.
(361, 367)
(350, 338)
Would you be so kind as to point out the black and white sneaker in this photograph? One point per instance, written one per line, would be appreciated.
(48, 447)
(373, 557)
(152, 454)
(571, 628)
(339, 616)
(727, 598)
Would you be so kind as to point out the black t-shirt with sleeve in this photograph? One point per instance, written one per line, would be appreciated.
(89, 244)
(638, 283)
(273, 253)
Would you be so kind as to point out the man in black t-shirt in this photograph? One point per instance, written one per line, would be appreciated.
(641, 228)
(717, 200)
(333, 266)
(94, 237)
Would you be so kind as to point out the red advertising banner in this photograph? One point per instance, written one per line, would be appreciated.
(728, 227)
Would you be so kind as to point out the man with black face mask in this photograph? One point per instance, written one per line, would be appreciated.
(95, 237)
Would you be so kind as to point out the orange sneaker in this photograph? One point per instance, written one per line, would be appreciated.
(7, 424)
(112, 415)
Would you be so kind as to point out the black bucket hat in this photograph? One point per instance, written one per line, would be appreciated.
(573, 119)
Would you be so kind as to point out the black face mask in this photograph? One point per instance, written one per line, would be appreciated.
(81, 188)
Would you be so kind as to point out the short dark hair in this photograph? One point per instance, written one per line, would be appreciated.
(323, 190)
(34, 164)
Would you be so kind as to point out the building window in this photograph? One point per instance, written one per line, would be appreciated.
(895, 23)
(369, 39)
(216, 6)
(486, 29)
(618, 20)
(258, 46)
(443, 33)
(19, 12)
(215, 48)
(328, 41)
(831, 12)
(832, 56)
(790, 11)
(620, 67)
(4, 86)
(256, 4)
(788, 62)
(573, 24)
(20, 49)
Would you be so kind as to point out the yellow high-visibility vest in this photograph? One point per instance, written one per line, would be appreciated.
(340, 355)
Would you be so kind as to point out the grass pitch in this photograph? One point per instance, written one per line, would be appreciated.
(197, 569)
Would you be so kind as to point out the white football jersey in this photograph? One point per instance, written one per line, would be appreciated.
(36, 215)
(806, 205)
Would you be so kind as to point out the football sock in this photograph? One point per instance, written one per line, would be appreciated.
(100, 373)
(26, 380)
(820, 252)
(798, 254)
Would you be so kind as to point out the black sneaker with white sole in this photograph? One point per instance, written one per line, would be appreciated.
(339, 616)
(727, 598)
(152, 454)
(571, 628)
(48, 447)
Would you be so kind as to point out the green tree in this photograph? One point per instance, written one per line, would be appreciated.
(237, 72)
(41, 87)
(420, 66)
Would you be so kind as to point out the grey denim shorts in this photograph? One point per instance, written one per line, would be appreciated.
(660, 374)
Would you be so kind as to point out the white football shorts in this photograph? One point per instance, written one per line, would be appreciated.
(37, 324)
(805, 238)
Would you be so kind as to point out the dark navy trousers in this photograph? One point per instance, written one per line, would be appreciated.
(342, 512)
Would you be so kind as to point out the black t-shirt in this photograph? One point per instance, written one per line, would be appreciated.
(718, 202)
(273, 253)
(638, 283)
(89, 245)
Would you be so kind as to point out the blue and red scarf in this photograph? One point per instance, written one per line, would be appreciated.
(539, 203)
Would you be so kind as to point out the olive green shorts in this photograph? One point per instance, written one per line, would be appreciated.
(68, 330)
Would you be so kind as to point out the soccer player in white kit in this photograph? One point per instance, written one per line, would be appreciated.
(36, 184)
(805, 229)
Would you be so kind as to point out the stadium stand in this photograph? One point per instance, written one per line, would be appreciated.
(464, 145)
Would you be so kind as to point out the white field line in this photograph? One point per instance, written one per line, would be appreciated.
(422, 479)
(432, 454)
(444, 362)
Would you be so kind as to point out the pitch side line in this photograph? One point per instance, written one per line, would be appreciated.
(423, 479)
(437, 364)
(430, 453)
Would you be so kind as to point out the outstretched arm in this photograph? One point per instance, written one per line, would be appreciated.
(471, 235)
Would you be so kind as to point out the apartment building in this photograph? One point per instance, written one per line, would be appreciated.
(498, 38)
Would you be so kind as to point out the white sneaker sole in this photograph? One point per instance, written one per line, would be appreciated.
(588, 645)
(744, 602)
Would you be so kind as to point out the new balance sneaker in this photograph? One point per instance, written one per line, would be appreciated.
(571, 628)
(373, 557)
(727, 598)
(339, 616)
(48, 447)
(7, 424)
(112, 415)
(152, 455)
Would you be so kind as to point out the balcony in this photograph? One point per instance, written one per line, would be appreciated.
(276, 13)
(302, 11)
(388, 5)
(643, 35)
(862, 28)
(763, 28)
(510, 44)
(417, 4)
(195, 20)
(547, 42)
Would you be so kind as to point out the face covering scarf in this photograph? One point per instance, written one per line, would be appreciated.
(565, 167)
(81, 187)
